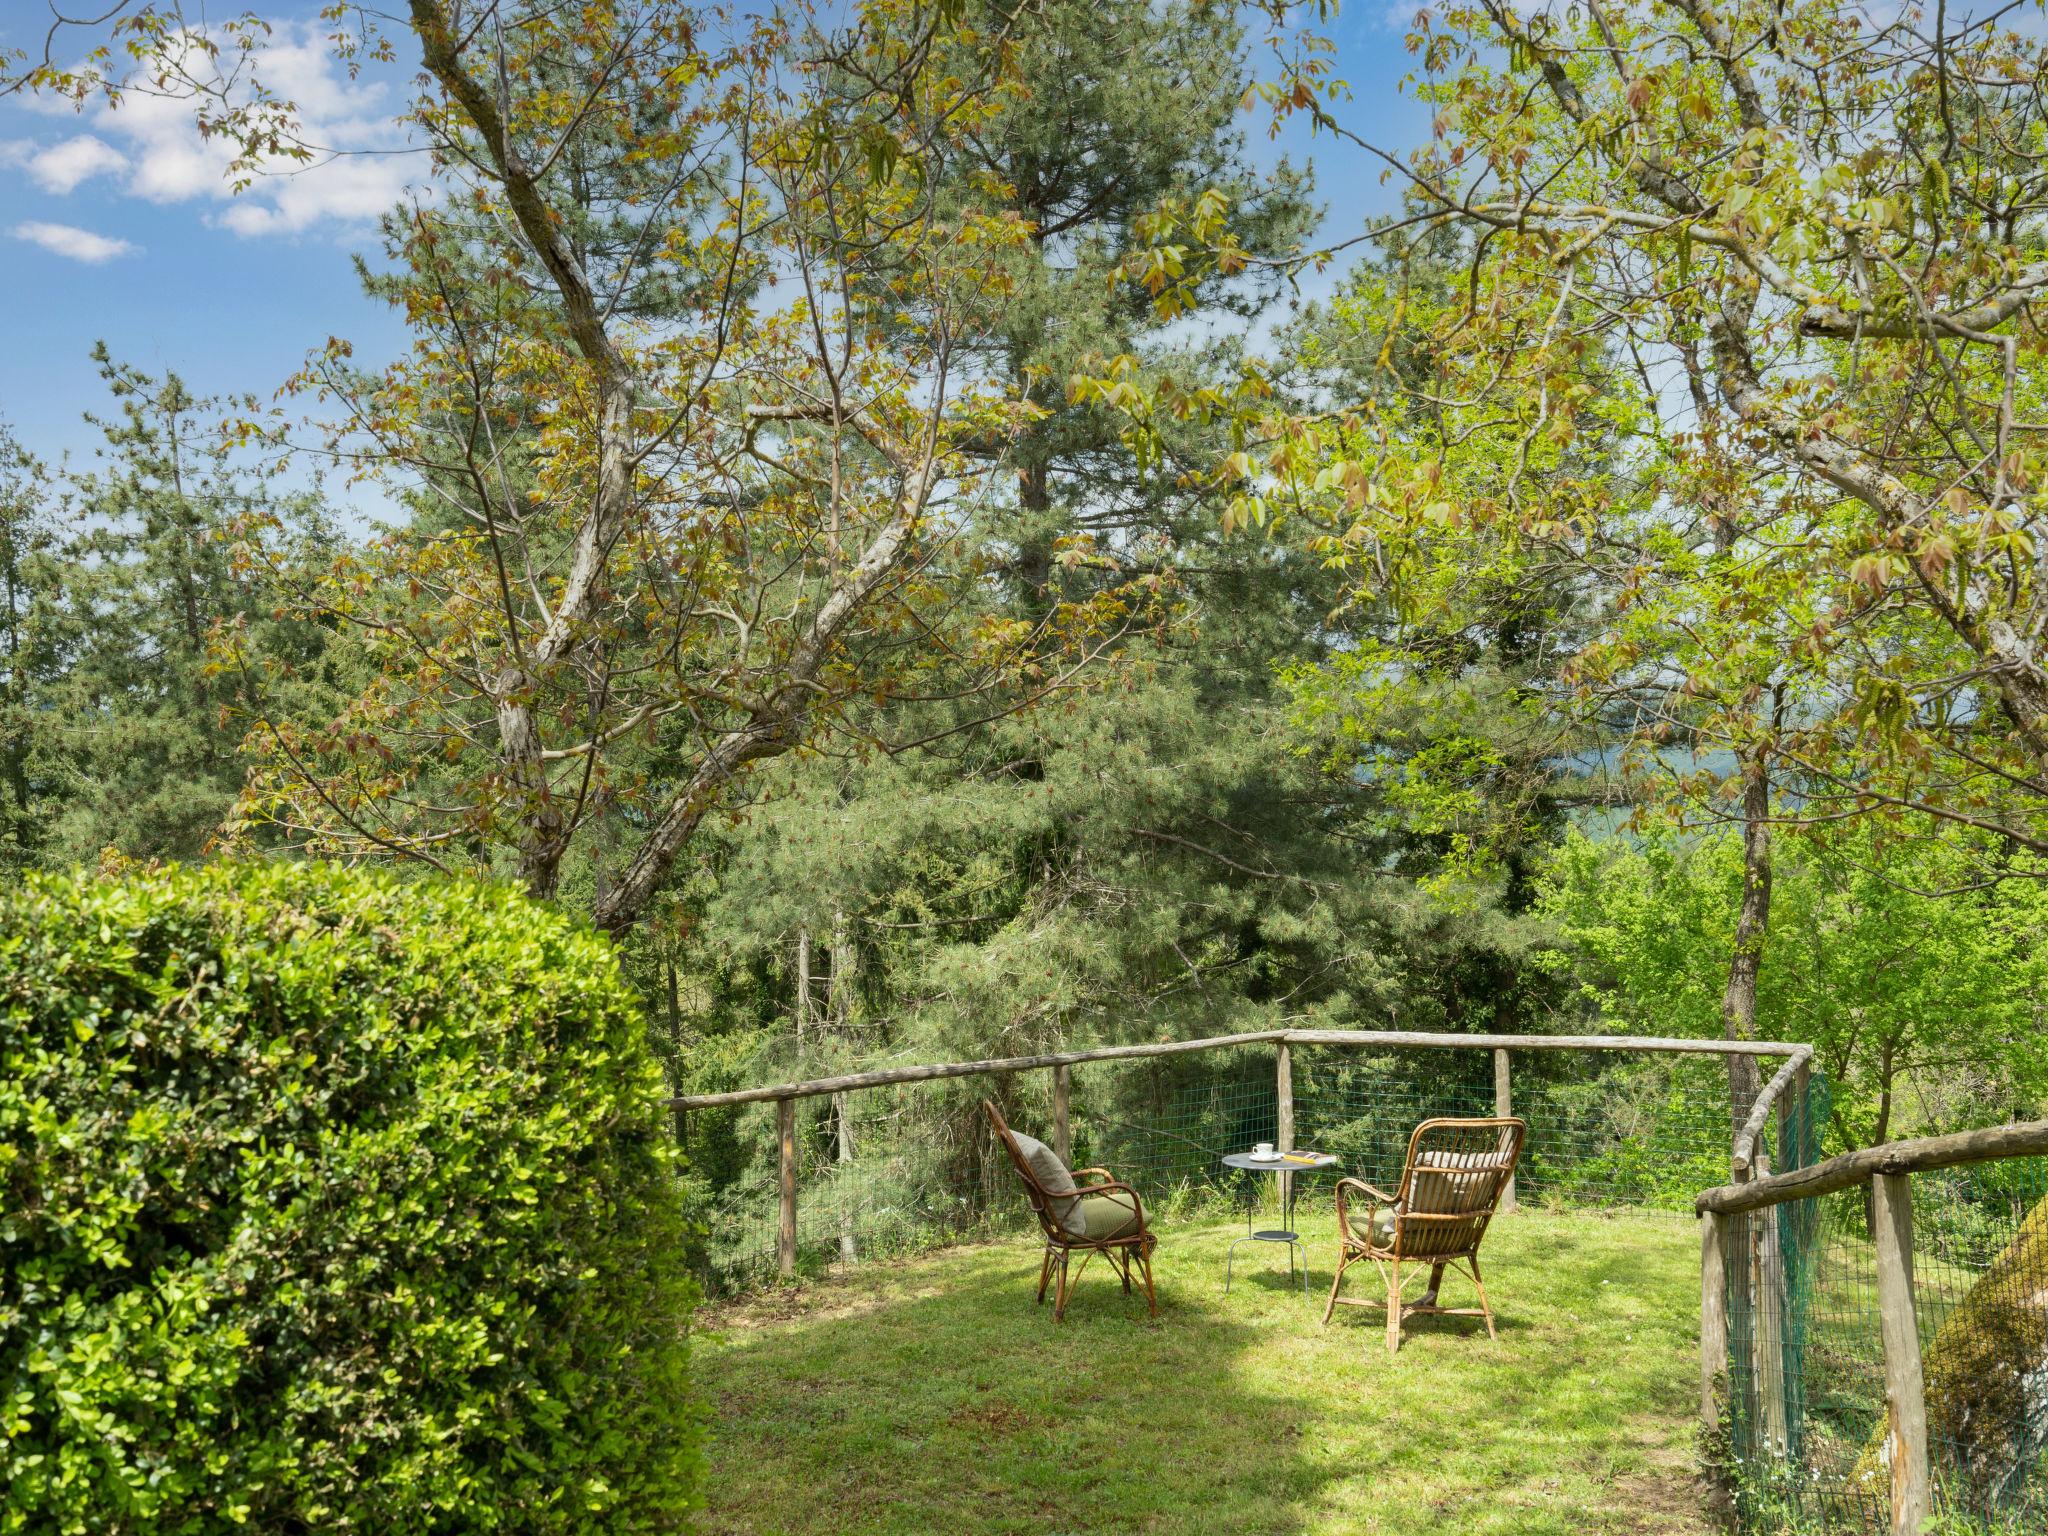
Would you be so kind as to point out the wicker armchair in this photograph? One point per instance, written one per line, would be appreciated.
(1450, 1189)
(1096, 1214)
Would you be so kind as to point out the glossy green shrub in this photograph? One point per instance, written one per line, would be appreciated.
(331, 1203)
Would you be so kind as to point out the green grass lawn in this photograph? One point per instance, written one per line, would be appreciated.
(931, 1395)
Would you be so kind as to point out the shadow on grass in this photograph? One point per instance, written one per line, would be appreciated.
(965, 1408)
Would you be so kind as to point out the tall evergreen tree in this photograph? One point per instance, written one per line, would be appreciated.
(145, 758)
(31, 658)
(1121, 108)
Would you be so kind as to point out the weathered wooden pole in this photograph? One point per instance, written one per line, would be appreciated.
(803, 987)
(1795, 1119)
(1905, 1393)
(1738, 1166)
(1767, 1322)
(1713, 1319)
(1503, 1106)
(1283, 1088)
(785, 1233)
(1062, 1126)
(845, 1191)
(1283, 1084)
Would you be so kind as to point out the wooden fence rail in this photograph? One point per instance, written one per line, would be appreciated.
(1727, 1211)
(883, 1077)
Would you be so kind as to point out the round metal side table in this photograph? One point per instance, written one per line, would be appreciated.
(1285, 1232)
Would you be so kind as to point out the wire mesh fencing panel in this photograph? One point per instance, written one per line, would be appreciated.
(1163, 1125)
(901, 1176)
(1776, 1332)
(1807, 1435)
(1608, 1129)
(916, 1165)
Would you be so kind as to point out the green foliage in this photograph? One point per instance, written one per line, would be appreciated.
(331, 1203)
(1897, 979)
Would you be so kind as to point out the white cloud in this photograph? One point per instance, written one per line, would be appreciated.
(361, 169)
(69, 240)
(62, 166)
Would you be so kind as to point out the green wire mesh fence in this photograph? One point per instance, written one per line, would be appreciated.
(1806, 1439)
(916, 1168)
(1607, 1130)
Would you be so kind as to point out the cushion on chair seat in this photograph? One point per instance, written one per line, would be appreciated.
(1101, 1217)
(1054, 1178)
(1377, 1229)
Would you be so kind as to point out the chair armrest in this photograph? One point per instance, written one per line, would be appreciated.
(1102, 1173)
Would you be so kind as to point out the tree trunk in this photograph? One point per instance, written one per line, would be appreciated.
(839, 1000)
(803, 985)
(1034, 544)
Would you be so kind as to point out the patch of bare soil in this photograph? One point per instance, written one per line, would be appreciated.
(1667, 1498)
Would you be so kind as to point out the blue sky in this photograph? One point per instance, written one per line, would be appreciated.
(117, 225)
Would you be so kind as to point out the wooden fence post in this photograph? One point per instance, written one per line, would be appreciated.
(1905, 1393)
(1503, 1106)
(1062, 1130)
(1283, 1087)
(844, 1191)
(785, 1234)
(1767, 1321)
(1283, 1082)
(1713, 1320)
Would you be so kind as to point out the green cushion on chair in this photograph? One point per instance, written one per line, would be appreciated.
(1103, 1217)
(1377, 1232)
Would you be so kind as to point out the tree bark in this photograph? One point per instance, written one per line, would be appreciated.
(803, 985)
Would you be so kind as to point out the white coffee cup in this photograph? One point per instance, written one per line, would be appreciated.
(1263, 1149)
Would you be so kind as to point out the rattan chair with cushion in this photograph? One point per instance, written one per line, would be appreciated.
(1450, 1188)
(1085, 1211)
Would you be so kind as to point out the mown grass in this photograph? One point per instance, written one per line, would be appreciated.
(932, 1396)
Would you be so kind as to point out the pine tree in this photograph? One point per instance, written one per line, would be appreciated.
(146, 753)
(1122, 108)
(30, 657)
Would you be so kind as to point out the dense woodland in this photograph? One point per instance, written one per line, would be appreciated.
(885, 537)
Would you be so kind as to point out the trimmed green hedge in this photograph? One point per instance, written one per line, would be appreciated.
(335, 1203)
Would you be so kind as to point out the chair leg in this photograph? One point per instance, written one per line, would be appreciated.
(1394, 1309)
(1059, 1300)
(1044, 1273)
(1145, 1268)
(1485, 1311)
(1343, 1259)
(1123, 1266)
(1436, 1280)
